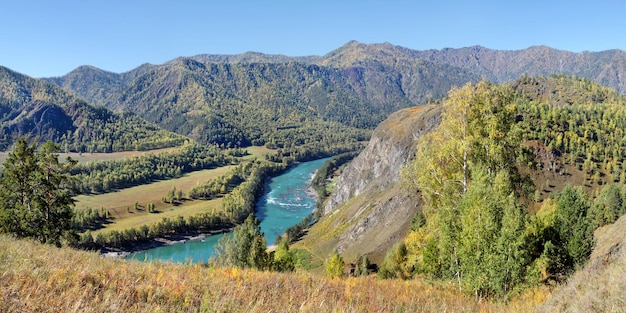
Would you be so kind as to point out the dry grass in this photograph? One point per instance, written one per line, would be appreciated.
(258, 152)
(36, 278)
(136, 219)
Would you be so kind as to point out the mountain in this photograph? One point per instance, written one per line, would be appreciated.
(43, 111)
(251, 57)
(96, 85)
(248, 98)
(607, 68)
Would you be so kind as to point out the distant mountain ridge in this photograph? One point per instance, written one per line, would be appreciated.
(43, 111)
(607, 68)
(252, 98)
(243, 99)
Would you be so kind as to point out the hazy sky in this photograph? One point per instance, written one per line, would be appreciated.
(51, 38)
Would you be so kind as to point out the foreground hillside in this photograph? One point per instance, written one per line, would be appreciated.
(37, 278)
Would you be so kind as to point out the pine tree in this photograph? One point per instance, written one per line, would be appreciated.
(35, 195)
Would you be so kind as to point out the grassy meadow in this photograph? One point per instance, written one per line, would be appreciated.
(121, 204)
(86, 157)
(38, 278)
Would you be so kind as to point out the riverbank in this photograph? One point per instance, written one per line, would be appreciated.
(160, 242)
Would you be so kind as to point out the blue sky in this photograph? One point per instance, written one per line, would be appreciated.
(51, 38)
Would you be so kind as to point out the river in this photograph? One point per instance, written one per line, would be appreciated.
(287, 200)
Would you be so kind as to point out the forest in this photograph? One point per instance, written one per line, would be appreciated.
(42, 111)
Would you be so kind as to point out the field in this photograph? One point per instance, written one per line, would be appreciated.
(121, 204)
(86, 157)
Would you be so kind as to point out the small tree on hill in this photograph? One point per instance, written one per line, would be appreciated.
(334, 266)
(246, 248)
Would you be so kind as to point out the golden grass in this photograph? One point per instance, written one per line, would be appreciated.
(136, 219)
(258, 152)
(144, 194)
(36, 278)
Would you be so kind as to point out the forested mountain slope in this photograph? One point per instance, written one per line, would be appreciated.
(253, 98)
(251, 103)
(250, 98)
(564, 134)
(43, 111)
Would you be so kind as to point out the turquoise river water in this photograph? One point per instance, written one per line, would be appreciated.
(287, 200)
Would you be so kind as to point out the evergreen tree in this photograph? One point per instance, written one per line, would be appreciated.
(573, 227)
(35, 197)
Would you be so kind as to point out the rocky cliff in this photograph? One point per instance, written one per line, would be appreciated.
(369, 210)
(392, 144)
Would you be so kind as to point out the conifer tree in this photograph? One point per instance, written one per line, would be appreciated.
(35, 195)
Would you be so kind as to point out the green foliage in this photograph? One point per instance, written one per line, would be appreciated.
(574, 230)
(283, 259)
(608, 205)
(394, 264)
(35, 195)
(467, 174)
(89, 219)
(491, 255)
(106, 176)
(334, 266)
(245, 248)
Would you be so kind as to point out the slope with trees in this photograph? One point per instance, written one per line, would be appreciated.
(43, 111)
(477, 227)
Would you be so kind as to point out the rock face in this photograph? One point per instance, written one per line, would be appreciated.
(392, 144)
(369, 210)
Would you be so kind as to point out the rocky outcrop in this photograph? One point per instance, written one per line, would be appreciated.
(393, 143)
(369, 210)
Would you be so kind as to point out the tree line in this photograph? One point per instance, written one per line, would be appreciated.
(110, 175)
